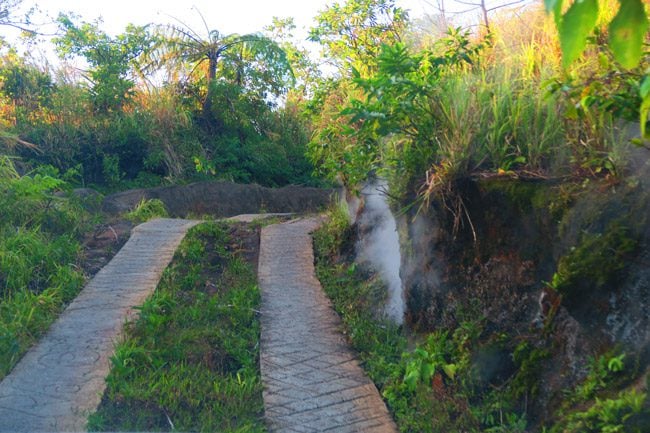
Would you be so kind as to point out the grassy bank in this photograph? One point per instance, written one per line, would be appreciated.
(39, 256)
(191, 360)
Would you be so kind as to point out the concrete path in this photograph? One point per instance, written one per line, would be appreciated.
(61, 380)
(250, 217)
(312, 381)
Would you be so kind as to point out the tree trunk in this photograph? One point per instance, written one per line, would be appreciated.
(212, 74)
(486, 22)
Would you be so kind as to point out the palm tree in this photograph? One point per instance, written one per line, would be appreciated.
(180, 43)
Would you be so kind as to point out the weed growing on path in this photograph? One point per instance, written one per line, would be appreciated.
(191, 360)
(146, 210)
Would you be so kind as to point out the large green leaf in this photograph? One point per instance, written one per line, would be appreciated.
(627, 31)
(554, 7)
(551, 5)
(576, 25)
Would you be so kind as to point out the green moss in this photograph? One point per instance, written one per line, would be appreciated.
(523, 195)
(529, 361)
(596, 261)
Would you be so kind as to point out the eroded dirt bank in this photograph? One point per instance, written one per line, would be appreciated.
(557, 271)
(223, 199)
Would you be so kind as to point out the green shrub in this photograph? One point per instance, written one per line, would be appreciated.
(625, 413)
(38, 257)
(146, 210)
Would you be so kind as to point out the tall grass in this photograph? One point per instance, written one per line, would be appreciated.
(497, 113)
(490, 105)
(38, 257)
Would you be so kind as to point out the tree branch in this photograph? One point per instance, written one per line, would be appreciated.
(504, 5)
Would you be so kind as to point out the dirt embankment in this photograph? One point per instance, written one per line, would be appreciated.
(223, 199)
(559, 267)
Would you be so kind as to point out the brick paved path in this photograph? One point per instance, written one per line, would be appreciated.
(61, 380)
(312, 381)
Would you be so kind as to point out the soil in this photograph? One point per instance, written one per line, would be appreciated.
(105, 240)
(100, 245)
(246, 241)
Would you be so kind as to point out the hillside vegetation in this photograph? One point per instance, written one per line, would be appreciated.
(516, 157)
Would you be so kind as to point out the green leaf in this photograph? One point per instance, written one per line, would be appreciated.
(554, 7)
(428, 370)
(575, 26)
(627, 31)
(551, 5)
(616, 364)
(450, 370)
(644, 90)
(411, 378)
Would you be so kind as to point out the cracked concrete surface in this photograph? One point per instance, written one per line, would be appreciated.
(61, 379)
(312, 380)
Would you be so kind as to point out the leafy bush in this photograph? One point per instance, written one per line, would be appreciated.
(624, 413)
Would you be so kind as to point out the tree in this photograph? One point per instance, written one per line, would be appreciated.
(352, 33)
(306, 71)
(486, 7)
(112, 60)
(238, 58)
(7, 18)
(25, 85)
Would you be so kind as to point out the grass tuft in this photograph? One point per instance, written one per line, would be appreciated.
(147, 210)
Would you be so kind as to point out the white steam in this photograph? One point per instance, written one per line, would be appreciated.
(378, 245)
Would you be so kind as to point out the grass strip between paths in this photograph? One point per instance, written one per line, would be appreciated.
(190, 362)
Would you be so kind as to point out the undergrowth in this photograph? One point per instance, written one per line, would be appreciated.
(191, 360)
(39, 253)
(466, 377)
(428, 388)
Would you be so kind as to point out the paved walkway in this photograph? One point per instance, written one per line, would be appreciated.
(61, 380)
(312, 381)
(250, 217)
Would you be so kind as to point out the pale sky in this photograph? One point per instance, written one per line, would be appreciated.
(227, 16)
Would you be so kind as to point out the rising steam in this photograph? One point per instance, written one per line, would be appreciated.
(379, 247)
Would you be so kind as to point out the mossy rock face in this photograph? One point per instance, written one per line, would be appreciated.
(498, 273)
(524, 196)
(596, 263)
(602, 239)
(492, 365)
(518, 219)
